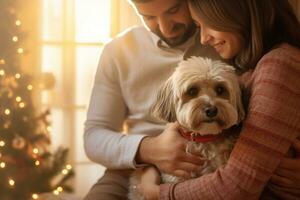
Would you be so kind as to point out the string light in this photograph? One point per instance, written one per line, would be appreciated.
(69, 167)
(17, 75)
(18, 99)
(2, 62)
(59, 189)
(20, 50)
(55, 192)
(2, 143)
(22, 105)
(2, 72)
(29, 87)
(35, 196)
(49, 128)
(18, 23)
(15, 39)
(7, 111)
(11, 182)
(37, 163)
(2, 165)
(35, 150)
(64, 171)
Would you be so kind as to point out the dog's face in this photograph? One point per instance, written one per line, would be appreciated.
(202, 95)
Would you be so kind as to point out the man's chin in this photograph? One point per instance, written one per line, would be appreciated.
(176, 41)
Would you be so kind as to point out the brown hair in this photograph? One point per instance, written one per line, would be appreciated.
(262, 24)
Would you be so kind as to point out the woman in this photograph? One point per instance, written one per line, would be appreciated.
(262, 40)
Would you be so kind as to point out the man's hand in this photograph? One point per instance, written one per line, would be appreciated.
(149, 185)
(167, 152)
(287, 175)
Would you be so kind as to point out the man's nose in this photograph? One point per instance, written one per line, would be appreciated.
(165, 26)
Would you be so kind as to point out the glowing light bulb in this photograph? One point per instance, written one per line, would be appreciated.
(37, 163)
(20, 50)
(55, 192)
(35, 151)
(7, 111)
(35, 196)
(21, 105)
(2, 165)
(49, 128)
(2, 72)
(59, 189)
(18, 23)
(17, 75)
(69, 167)
(11, 182)
(18, 99)
(15, 39)
(2, 143)
(64, 171)
(29, 87)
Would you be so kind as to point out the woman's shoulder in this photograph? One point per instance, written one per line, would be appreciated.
(283, 57)
(284, 53)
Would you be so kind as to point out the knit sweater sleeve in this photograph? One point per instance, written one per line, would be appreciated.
(272, 123)
(104, 142)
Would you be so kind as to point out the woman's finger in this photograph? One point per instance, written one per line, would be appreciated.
(281, 181)
(292, 175)
(290, 164)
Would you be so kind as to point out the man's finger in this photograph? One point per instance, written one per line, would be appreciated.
(188, 167)
(190, 158)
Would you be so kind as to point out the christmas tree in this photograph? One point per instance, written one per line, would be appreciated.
(27, 165)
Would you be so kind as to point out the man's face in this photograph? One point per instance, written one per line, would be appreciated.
(168, 19)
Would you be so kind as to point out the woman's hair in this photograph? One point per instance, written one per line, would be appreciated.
(262, 24)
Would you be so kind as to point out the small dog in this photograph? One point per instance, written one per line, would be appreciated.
(204, 96)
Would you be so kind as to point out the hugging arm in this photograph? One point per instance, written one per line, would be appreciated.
(286, 179)
(271, 126)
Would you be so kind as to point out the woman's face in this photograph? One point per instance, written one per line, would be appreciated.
(227, 44)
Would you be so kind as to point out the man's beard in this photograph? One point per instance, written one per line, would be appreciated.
(189, 31)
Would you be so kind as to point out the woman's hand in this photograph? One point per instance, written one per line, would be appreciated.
(167, 152)
(287, 175)
(149, 185)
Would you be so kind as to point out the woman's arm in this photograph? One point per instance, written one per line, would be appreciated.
(286, 179)
(273, 122)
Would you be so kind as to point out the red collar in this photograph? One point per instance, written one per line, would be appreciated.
(196, 137)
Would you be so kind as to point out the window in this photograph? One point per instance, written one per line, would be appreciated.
(72, 35)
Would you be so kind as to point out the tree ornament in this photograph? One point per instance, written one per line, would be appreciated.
(18, 142)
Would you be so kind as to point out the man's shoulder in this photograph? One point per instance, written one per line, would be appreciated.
(132, 35)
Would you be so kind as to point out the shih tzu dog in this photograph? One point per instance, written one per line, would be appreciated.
(204, 96)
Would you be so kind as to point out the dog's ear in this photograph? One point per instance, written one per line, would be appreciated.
(164, 106)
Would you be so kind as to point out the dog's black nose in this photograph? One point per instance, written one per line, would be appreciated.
(211, 111)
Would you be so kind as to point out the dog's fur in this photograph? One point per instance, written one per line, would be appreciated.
(204, 96)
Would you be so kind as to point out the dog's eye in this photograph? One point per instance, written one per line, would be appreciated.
(220, 90)
(192, 91)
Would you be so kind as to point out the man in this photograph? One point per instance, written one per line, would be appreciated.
(131, 69)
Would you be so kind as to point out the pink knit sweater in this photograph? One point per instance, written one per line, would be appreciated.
(272, 123)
